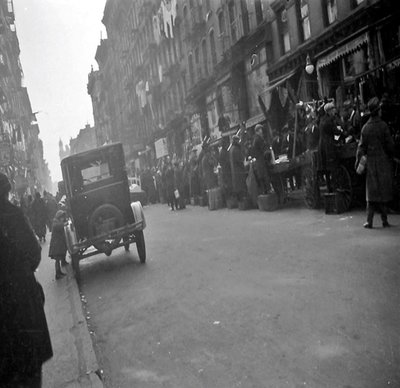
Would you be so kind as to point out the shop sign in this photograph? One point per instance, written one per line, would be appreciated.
(161, 146)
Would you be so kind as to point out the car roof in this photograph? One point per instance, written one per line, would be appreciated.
(85, 154)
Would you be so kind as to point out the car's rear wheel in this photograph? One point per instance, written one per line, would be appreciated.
(75, 257)
(140, 245)
(104, 219)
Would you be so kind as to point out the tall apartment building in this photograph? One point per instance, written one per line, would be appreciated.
(21, 150)
(180, 70)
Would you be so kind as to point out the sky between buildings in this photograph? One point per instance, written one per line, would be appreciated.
(58, 41)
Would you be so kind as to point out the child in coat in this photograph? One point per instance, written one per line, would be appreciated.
(58, 244)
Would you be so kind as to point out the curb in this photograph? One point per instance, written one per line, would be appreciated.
(89, 372)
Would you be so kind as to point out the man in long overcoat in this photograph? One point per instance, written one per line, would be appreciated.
(327, 147)
(24, 337)
(39, 216)
(226, 174)
(259, 147)
(239, 188)
(377, 144)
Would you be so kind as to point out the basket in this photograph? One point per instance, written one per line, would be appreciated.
(334, 203)
(231, 203)
(267, 202)
(214, 198)
(245, 204)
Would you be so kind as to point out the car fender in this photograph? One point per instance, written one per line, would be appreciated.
(137, 210)
(70, 237)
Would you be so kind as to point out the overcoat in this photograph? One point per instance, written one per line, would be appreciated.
(24, 336)
(259, 147)
(237, 168)
(327, 147)
(58, 245)
(377, 143)
(207, 167)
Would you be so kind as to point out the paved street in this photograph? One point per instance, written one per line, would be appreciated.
(230, 298)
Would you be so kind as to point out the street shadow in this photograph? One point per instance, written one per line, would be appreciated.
(116, 268)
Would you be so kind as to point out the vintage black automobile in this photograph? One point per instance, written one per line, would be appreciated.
(101, 215)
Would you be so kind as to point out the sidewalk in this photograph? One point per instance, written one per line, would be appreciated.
(74, 362)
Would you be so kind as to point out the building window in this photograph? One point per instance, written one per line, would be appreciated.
(232, 20)
(191, 69)
(205, 57)
(305, 19)
(197, 60)
(259, 11)
(331, 11)
(221, 23)
(213, 49)
(284, 31)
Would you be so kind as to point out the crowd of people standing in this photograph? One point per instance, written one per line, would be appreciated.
(241, 165)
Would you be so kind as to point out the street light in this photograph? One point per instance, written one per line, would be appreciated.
(309, 66)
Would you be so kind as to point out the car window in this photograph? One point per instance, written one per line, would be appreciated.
(95, 171)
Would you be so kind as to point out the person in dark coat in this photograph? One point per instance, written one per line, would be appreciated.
(24, 336)
(178, 180)
(259, 147)
(327, 146)
(38, 213)
(58, 244)
(239, 188)
(207, 168)
(170, 185)
(226, 173)
(377, 144)
(51, 208)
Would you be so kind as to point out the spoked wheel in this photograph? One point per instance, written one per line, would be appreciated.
(310, 188)
(75, 266)
(341, 184)
(141, 246)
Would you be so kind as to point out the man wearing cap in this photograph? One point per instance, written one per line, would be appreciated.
(377, 144)
(327, 146)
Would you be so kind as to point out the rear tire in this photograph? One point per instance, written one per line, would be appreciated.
(75, 258)
(141, 246)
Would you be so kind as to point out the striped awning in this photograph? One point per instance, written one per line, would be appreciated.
(348, 48)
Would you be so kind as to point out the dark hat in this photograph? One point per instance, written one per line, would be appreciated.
(5, 185)
(59, 214)
(374, 105)
(235, 138)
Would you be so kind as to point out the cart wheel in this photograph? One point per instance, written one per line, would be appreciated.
(341, 183)
(75, 266)
(310, 188)
(141, 246)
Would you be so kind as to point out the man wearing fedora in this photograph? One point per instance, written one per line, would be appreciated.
(377, 145)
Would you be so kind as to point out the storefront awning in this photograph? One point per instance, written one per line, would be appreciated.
(346, 49)
(279, 81)
(255, 120)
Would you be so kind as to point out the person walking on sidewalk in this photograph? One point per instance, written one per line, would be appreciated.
(377, 144)
(24, 335)
(58, 244)
(39, 217)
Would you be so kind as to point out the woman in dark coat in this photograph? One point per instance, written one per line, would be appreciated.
(238, 170)
(38, 209)
(24, 337)
(377, 144)
(58, 244)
